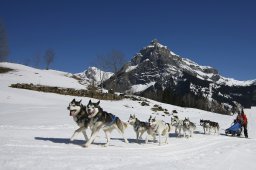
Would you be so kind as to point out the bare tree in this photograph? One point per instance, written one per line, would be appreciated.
(37, 60)
(92, 88)
(49, 57)
(4, 50)
(114, 62)
(101, 64)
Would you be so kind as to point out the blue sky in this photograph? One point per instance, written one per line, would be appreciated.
(217, 33)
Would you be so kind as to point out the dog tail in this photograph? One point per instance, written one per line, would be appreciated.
(121, 125)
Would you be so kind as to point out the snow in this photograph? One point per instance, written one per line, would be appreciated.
(35, 129)
(24, 74)
(93, 73)
(197, 69)
(223, 80)
(152, 45)
(141, 87)
(130, 68)
(233, 82)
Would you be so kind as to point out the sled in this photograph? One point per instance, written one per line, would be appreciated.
(234, 130)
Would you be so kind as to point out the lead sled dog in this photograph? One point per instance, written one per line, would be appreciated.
(79, 114)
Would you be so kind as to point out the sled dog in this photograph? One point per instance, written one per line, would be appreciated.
(178, 124)
(103, 120)
(188, 127)
(139, 127)
(215, 126)
(160, 128)
(208, 126)
(79, 114)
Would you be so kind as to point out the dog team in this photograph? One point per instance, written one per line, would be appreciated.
(95, 118)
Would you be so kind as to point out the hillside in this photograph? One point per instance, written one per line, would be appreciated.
(35, 129)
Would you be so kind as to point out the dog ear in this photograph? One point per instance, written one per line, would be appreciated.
(73, 100)
(90, 102)
(98, 102)
(80, 101)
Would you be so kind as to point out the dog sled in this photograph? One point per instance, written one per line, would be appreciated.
(234, 130)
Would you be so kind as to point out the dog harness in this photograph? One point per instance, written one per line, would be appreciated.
(113, 119)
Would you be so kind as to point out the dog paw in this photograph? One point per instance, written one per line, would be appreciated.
(85, 145)
(106, 145)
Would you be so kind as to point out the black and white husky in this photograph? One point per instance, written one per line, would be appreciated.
(160, 128)
(79, 114)
(103, 120)
(139, 127)
(208, 126)
(188, 127)
(178, 124)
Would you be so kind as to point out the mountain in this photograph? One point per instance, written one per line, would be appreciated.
(93, 75)
(158, 73)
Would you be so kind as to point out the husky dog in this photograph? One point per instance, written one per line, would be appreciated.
(209, 125)
(178, 124)
(215, 126)
(206, 125)
(159, 127)
(188, 127)
(139, 127)
(103, 120)
(78, 111)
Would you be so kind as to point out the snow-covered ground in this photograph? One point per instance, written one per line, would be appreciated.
(35, 129)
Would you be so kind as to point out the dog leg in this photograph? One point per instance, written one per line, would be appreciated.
(85, 135)
(107, 133)
(154, 138)
(93, 136)
(121, 132)
(166, 138)
(137, 136)
(76, 133)
(176, 130)
(159, 138)
(146, 140)
(140, 137)
(125, 140)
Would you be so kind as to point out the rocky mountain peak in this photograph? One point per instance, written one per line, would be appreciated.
(158, 73)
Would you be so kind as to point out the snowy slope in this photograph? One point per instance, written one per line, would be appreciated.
(35, 129)
(25, 74)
